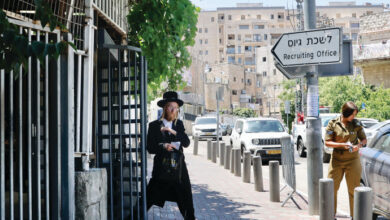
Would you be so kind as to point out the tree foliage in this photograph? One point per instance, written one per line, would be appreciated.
(288, 94)
(163, 29)
(15, 48)
(244, 112)
(335, 91)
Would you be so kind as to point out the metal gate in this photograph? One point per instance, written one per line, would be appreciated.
(121, 129)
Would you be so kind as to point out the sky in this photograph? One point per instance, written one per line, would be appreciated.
(213, 4)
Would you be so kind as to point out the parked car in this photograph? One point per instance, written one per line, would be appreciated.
(261, 136)
(375, 160)
(205, 128)
(368, 122)
(371, 131)
(299, 136)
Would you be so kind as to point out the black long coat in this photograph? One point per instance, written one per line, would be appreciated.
(160, 191)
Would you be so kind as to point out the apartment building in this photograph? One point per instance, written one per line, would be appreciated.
(244, 35)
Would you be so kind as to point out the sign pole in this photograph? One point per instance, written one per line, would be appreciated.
(313, 131)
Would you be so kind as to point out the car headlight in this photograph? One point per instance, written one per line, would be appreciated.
(256, 141)
(197, 129)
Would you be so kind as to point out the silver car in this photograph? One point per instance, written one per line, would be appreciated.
(375, 160)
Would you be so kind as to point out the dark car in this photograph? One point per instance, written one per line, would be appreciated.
(375, 160)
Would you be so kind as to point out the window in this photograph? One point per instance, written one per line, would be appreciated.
(229, 17)
(258, 26)
(242, 80)
(383, 144)
(274, 72)
(248, 48)
(264, 59)
(280, 15)
(200, 52)
(243, 27)
(212, 19)
(249, 61)
(231, 59)
(354, 25)
(220, 30)
(242, 17)
(248, 38)
(206, 41)
(200, 30)
(230, 49)
(231, 36)
(354, 36)
(354, 15)
(272, 16)
(238, 49)
(265, 36)
(221, 17)
(265, 73)
(200, 41)
(259, 17)
(239, 60)
(206, 30)
(249, 82)
(234, 92)
(239, 37)
(288, 17)
(258, 85)
(234, 79)
(220, 41)
(207, 52)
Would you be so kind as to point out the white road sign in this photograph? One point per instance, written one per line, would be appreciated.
(309, 47)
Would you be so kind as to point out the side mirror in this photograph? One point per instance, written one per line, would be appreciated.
(239, 131)
(193, 123)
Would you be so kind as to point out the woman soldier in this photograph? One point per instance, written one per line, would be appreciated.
(166, 138)
(346, 135)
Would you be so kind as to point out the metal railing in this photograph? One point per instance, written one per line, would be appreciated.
(114, 12)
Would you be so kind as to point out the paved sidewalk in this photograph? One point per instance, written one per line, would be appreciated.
(218, 194)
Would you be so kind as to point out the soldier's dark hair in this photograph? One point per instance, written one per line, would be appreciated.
(348, 109)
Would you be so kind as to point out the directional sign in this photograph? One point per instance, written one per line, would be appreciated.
(336, 69)
(309, 47)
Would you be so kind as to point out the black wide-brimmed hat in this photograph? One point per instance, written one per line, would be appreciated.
(169, 96)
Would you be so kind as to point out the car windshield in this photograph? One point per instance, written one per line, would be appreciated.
(202, 121)
(263, 126)
(379, 125)
(368, 124)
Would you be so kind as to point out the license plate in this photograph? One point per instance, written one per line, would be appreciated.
(209, 133)
(274, 151)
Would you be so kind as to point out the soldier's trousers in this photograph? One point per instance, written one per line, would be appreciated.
(344, 162)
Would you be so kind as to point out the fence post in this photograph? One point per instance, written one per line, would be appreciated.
(362, 207)
(246, 177)
(196, 142)
(214, 152)
(258, 174)
(222, 152)
(326, 199)
(274, 184)
(208, 149)
(228, 149)
(237, 161)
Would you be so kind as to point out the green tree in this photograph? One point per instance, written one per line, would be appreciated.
(244, 112)
(163, 29)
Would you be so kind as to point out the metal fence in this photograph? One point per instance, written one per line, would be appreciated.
(30, 146)
(121, 129)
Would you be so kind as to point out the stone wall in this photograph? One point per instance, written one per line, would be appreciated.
(376, 72)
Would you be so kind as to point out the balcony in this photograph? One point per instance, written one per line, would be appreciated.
(113, 13)
(371, 51)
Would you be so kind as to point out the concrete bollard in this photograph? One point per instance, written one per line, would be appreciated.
(232, 160)
(258, 174)
(226, 164)
(196, 142)
(362, 206)
(208, 149)
(218, 144)
(246, 176)
(214, 152)
(222, 153)
(237, 162)
(274, 184)
(326, 199)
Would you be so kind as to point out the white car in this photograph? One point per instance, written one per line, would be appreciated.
(261, 136)
(371, 131)
(205, 128)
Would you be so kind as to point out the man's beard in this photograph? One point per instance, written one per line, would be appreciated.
(170, 116)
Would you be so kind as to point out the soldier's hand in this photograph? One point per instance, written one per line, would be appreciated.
(355, 148)
(169, 147)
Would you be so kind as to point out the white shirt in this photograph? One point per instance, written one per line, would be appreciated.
(167, 124)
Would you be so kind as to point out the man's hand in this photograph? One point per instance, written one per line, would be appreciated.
(170, 130)
(169, 147)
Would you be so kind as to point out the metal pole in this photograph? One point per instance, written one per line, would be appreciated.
(274, 184)
(196, 142)
(326, 199)
(222, 152)
(258, 174)
(362, 207)
(228, 149)
(217, 95)
(313, 131)
(214, 152)
(237, 162)
(208, 149)
(246, 177)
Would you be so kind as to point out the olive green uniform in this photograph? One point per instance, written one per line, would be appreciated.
(342, 161)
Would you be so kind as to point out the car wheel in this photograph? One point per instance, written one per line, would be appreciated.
(301, 148)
